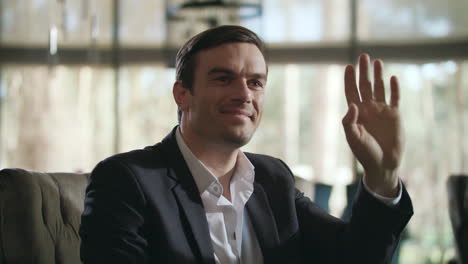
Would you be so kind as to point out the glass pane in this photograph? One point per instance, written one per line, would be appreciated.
(56, 118)
(402, 19)
(85, 22)
(305, 21)
(184, 20)
(74, 23)
(143, 23)
(22, 22)
(434, 106)
(147, 109)
(282, 21)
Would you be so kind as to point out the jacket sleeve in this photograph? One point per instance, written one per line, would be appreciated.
(370, 236)
(112, 220)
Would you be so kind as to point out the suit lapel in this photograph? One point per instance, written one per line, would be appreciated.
(197, 223)
(189, 200)
(262, 219)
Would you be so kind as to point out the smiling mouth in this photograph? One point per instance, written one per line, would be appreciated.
(238, 112)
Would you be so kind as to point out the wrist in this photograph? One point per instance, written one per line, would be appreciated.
(383, 182)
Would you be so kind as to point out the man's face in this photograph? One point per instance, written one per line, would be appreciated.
(226, 103)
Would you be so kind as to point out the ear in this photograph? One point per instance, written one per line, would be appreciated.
(182, 96)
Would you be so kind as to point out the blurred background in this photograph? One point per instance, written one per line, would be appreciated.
(81, 80)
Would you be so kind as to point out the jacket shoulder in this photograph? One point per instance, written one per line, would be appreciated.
(145, 157)
(271, 170)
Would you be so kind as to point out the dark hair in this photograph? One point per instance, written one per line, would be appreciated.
(185, 60)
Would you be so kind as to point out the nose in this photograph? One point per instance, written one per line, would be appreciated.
(242, 92)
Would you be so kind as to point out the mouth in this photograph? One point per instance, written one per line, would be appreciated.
(239, 113)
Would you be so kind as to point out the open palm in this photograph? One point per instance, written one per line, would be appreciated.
(373, 127)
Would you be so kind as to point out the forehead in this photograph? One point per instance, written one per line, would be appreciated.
(235, 56)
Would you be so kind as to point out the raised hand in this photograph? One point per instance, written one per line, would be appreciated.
(373, 127)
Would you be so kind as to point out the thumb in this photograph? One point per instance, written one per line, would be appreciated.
(350, 121)
(351, 116)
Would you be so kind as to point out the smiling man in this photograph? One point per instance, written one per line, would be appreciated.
(196, 197)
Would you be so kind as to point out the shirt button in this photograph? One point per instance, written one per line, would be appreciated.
(216, 189)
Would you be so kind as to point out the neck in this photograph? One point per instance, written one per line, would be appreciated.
(219, 158)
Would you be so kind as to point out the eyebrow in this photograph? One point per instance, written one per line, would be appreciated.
(218, 70)
(221, 70)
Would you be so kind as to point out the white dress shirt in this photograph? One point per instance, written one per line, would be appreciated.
(390, 201)
(232, 234)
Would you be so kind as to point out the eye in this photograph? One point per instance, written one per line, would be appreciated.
(256, 84)
(223, 79)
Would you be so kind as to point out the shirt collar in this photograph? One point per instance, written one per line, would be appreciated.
(203, 177)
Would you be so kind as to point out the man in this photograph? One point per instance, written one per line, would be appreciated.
(197, 198)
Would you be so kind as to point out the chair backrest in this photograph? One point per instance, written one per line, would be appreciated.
(457, 187)
(40, 215)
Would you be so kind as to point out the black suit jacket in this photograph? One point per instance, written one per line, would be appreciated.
(144, 207)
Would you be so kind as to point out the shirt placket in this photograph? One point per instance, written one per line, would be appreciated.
(230, 218)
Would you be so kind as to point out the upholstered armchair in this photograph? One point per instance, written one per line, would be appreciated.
(40, 216)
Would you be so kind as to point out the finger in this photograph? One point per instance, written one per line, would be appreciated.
(365, 86)
(351, 90)
(379, 87)
(395, 92)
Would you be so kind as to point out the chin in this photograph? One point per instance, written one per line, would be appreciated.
(238, 139)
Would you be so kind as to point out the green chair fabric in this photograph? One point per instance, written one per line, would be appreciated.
(40, 215)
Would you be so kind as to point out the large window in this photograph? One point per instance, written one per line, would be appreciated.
(390, 20)
(435, 111)
(56, 118)
(81, 80)
(147, 110)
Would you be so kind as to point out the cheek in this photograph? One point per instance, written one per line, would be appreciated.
(259, 102)
(207, 104)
